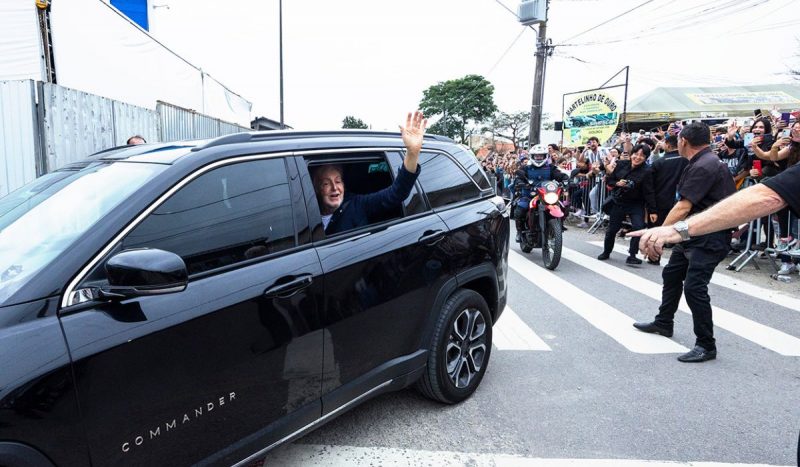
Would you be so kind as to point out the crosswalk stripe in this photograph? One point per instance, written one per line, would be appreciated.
(601, 315)
(511, 333)
(301, 455)
(724, 280)
(762, 335)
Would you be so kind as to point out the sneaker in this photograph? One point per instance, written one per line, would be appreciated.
(787, 268)
(578, 213)
(582, 225)
(518, 238)
(785, 243)
(633, 260)
(603, 256)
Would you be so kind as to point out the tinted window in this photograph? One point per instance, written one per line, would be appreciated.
(470, 162)
(443, 180)
(227, 215)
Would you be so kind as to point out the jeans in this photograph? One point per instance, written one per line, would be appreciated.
(689, 271)
(618, 213)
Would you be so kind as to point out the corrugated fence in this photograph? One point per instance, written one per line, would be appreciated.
(19, 143)
(68, 125)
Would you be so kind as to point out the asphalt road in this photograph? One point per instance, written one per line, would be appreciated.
(569, 383)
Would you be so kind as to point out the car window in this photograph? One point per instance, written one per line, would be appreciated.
(444, 182)
(470, 162)
(360, 178)
(228, 215)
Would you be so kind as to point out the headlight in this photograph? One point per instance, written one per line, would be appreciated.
(551, 198)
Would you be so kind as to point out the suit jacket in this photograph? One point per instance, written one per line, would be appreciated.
(356, 210)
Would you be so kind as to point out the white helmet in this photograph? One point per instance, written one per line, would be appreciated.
(539, 156)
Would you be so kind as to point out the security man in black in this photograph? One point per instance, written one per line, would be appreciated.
(705, 181)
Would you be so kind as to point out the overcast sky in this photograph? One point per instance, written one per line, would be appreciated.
(373, 58)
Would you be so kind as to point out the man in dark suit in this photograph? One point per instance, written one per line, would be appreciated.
(341, 212)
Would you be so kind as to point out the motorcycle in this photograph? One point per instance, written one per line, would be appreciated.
(543, 223)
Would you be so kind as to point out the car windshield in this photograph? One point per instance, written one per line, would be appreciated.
(44, 218)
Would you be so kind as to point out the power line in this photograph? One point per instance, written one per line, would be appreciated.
(608, 21)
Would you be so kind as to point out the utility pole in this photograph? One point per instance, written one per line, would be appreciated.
(280, 47)
(543, 49)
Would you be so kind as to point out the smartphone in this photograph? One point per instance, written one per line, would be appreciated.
(785, 116)
(786, 133)
(757, 113)
(757, 166)
(748, 138)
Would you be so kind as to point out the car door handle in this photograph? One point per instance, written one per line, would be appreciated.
(283, 289)
(431, 237)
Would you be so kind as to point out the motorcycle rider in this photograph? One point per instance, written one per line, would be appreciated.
(540, 168)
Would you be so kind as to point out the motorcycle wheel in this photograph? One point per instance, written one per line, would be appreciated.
(551, 248)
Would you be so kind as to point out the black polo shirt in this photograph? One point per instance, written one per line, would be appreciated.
(787, 185)
(705, 181)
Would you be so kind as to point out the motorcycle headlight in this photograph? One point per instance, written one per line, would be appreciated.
(550, 198)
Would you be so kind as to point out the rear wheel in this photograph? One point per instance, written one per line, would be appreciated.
(551, 248)
(460, 349)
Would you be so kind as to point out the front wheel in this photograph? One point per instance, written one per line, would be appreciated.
(551, 247)
(460, 349)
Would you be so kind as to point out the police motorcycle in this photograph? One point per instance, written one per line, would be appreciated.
(538, 208)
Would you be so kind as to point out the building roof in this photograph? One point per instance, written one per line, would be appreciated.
(666, 104)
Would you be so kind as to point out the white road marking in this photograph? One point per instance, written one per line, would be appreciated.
(301, 455)
(601, 315)
(762, 335)
(511, 333)
(724, 280)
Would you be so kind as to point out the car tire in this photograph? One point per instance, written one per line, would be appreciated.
(460, 349)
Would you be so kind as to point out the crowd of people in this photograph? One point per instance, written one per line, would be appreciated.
(630, 181)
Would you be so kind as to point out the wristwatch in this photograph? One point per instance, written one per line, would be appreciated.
(683, 229)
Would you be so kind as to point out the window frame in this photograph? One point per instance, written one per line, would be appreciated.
(67, 299)
(346, 156)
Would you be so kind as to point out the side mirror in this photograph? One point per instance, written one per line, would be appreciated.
(144, 271)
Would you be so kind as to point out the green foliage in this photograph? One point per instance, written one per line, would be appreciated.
(457, 102)
(353, 122)
(513, 126)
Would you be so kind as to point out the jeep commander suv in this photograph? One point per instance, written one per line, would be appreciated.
(181, 303)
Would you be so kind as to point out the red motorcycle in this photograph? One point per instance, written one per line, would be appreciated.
(543, 228)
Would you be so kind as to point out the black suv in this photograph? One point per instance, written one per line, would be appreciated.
(181, 303)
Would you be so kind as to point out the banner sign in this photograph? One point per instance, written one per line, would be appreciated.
(744, 98)
(591, 113)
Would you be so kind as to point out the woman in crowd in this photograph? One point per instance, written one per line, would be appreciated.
(633, 190)
(786, 152)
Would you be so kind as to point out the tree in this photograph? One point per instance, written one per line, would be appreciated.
(513, 126)
(353, 122)
(457, 102)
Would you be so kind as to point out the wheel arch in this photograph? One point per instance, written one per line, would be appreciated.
(21, 455)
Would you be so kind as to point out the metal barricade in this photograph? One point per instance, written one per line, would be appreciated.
(752, 245)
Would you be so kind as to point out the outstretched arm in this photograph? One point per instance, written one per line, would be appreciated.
(412, 134)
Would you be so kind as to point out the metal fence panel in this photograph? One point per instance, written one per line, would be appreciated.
(205, 127)
(75, 124)
(130, 120)
(178, 123)
(18, 136)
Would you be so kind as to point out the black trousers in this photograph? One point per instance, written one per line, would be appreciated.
(689, 271)
(618, 212)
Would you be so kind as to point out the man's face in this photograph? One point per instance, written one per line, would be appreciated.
(330, 188)
(638, 158)
(592, 145)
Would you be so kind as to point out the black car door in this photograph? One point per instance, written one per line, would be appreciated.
(228, 366)
(380, 284)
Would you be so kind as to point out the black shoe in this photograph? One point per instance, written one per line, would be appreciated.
(603, 256)
(656, 262)
(698, 354)
(563, 228)
(653, 328)
(633, 260)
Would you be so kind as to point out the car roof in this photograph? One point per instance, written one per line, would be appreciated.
(169, 153)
